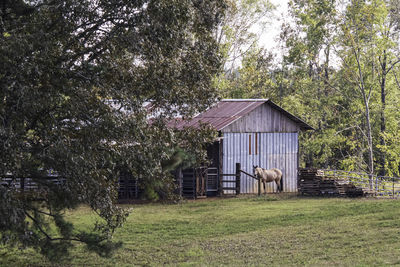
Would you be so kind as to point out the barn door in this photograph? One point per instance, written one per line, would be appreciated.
(212, 181)
(201, 181)
(213, 155)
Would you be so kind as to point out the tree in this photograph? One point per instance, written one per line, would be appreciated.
(75, 77)
(388, 56)
(236, 32)
(367, 47)
(350, 100)
(310, 78)
(245, 63)
(253, 79)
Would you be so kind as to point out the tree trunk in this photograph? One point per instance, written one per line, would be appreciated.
(383, 119)
(370, 147)
(366, 99)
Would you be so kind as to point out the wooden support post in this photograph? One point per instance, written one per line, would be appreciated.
(237, 178)
(220, 185)
(259, 187)
(393, 187)
(136, 187)
(179, 181)
(22, 184)
(371, 182)
(220, 167)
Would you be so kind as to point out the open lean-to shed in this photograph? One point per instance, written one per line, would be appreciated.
(252, 132)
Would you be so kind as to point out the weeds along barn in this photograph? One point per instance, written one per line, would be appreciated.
(252, 132)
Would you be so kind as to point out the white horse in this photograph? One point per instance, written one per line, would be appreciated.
(266, 176)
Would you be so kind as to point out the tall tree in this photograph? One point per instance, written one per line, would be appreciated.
(74, 80)
(240, 29)
(367, 46)
(246, 65)
(388, 54)
(253, 79)
(358, 30)
(311, 83)
(342, 57)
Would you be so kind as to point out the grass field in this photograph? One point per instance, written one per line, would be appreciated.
(245, 231)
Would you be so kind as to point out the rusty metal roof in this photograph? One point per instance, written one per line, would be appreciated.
(227, 111)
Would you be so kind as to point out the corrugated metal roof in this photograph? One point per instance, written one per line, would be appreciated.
(227, 111)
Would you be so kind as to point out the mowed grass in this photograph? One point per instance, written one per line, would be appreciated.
(246, 231)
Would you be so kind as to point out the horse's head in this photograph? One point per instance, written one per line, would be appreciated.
(255, 170)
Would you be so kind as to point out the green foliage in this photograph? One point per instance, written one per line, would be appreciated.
(235, 35)
(75, 79)
(340, 74)
(314, 18)
(340, 71)
(189, 151)
(392, 148)
(245, 64)
(254, 79)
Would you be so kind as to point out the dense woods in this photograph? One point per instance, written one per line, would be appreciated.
(340, 71)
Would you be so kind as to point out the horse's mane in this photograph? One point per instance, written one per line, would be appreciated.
(261, 168)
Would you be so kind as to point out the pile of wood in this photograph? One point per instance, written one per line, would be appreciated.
(309, 181)
(330, 186)
(313, 182)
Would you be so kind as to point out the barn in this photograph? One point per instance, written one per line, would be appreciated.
(251, 132)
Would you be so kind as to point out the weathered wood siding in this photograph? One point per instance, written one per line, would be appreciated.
(263, 119)
(267, 150)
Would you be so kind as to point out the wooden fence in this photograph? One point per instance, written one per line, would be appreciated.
(379, 186)
(237, 174)
(383, 186)
(27, 184)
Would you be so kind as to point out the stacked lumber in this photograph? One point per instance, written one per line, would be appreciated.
(354, 191)
(313, 182)
(309, 181)
(331, 186)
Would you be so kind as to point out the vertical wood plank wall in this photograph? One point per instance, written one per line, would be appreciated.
(274, 150)
(263, 119)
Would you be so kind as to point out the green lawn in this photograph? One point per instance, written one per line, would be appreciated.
(246, 231)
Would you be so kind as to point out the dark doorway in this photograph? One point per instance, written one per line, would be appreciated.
(213, 155)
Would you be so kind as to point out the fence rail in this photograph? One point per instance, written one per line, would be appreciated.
(384, 186)
(30, 185)
(237, 175)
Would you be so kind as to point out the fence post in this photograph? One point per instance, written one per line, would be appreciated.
(22, 184)
(371, 182)
(179, 180)
(259, 187)
(393, 186)
(220, 183)
(238, 178)
(136, 188)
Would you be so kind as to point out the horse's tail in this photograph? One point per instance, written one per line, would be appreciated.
(281, 183)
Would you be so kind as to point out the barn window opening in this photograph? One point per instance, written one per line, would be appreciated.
(249, 144)
(256, 148)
